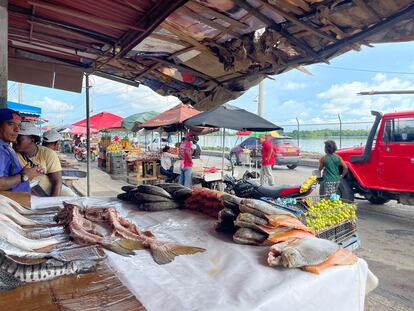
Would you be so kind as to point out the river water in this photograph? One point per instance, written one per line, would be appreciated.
(305, 144)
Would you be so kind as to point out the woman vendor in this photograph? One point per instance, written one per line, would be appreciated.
(31, 154)
(13, 177)
(166, 168)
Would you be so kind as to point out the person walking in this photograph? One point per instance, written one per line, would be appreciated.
(186, 162)
(268, 160)
(330, 164)
(13, 177)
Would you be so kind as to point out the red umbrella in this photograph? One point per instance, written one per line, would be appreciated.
(79, 130)
(102, 120)
(243, 133)
(175, 115)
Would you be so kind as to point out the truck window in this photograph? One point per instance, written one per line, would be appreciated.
(399, 130)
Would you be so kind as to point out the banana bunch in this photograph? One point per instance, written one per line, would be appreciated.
(114, 147)
(307, 184)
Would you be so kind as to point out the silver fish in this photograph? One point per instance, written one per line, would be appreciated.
(299, 253)
(45, 271)
(13, 237)
(9, 211)
(150, 189)
(33, 233)
(260, 208)
(26, 211)
(249, 236)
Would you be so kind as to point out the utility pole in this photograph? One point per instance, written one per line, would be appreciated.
(4, 28)
(260, 106)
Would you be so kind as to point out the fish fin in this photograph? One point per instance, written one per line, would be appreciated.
(164, 253)
(130, 244)
(116, 248)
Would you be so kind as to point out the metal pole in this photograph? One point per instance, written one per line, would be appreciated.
(340, 131)
(222, 155)
(4, 27)
(88, 136)
(297, 121)
(260, 106)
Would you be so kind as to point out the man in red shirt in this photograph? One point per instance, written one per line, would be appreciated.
(186, 162)
(268, 160)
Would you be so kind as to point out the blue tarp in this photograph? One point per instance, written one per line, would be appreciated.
(25, 109)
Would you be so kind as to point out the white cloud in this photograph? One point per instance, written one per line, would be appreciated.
(134, 99)
(343, 99)
(292, 85)
(54, 110)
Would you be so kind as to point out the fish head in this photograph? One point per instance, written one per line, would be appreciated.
(292, 258)
(85, 266)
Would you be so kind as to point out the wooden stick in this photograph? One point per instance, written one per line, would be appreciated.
(296, 21)
(86, 17)
(195, 6)
(209, 22)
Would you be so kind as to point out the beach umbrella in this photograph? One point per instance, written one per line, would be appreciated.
(102, 120)
(133, 121)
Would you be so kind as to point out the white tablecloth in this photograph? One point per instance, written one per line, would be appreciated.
(227, 276)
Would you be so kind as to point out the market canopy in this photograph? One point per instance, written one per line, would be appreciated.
(231, 117)
(79, 130)
(133, 121)
(25, 109)
(174, 116)
(203, 52)
(103, 120)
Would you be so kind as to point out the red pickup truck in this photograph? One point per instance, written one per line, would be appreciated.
(383, 170)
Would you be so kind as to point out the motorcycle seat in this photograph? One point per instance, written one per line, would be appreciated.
(280, 191)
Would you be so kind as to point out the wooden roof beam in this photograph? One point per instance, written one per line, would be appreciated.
(296, 21)
(209, 22)
(80, 15)
(364, 6)
(197, 7)
(271, 24)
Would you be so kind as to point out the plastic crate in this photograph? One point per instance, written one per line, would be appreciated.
(340, 232)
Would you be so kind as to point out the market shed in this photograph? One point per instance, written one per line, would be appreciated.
(205, 52)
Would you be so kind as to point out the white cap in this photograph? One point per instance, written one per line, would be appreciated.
(51, 136)
(28, 128)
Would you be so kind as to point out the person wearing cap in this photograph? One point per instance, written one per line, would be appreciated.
(13, 176)
(29, 152)
(186, 154)
(268, 160)
(51, 139)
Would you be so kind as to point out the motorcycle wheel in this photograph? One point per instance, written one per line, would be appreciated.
(78, 157)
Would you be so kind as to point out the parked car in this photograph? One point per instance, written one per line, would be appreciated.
(287, 153)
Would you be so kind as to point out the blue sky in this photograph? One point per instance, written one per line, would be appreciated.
(312, 99)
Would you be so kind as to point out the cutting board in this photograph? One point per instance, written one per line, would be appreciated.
(23, 198)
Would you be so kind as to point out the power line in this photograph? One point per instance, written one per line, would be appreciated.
(366, 70)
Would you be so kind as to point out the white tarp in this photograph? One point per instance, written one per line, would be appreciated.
(227, 276)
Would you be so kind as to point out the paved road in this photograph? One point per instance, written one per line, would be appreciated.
(387, 234)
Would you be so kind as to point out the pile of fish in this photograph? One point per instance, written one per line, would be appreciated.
(206, 201)
(156, 198)
(104, 226)
(33, 249)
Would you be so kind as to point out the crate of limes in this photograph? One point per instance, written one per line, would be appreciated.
(326, 213)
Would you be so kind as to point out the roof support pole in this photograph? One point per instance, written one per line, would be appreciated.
(88, 138)
(3, 52)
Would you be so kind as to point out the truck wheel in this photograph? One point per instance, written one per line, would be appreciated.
(345, 191)
(374, 198)
(291, 166)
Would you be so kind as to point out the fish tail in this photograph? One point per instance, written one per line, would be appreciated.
(164, 253)
(130, 244)
(114, 247)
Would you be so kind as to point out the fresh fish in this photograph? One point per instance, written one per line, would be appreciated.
(249, 236)
(150, 189)
(231, 201)
(182, 194)
(173, 187)
(287, 221)
(287, 234)
(340, 257)
(300, 253)
(261, 209)
(145, 197)
(125, 196)
(127, 188)
(45, 271)
(158, 206)
(227, 215)
(247, 220)
(10, 212)
(34, 233)
(8, 281)
(23, 210)
(13, 237)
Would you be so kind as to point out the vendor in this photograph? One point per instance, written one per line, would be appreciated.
(196, 147)
(13, 177)
(31, 154)
(330, 164)
(166, 168)
(51, 139)
(186, 156)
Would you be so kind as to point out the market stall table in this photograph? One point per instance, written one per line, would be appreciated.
(227, 276)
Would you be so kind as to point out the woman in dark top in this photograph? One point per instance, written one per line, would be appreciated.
(330, 164)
